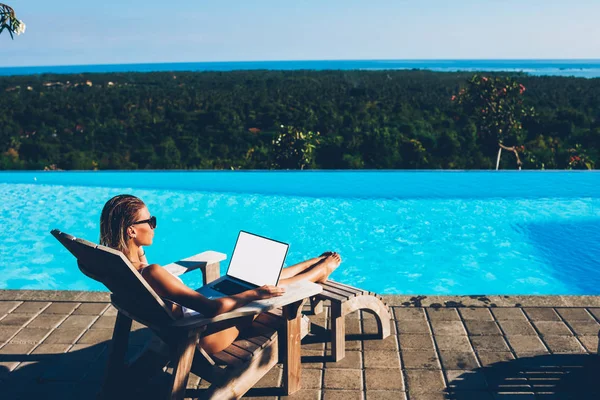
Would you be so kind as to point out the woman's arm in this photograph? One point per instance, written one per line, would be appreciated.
(168, 286)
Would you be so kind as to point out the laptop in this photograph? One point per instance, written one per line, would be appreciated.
(256, 261)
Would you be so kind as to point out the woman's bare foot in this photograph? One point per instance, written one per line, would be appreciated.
(328, 265)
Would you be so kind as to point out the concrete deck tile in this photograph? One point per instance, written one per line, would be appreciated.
(49, 321)
(414, 341)
(390, 380)
(552, 328)
(429, 396)
(389, 343)
(476, 328)
(585, 328)
(312, 358)
(87, 352)
(517, 327)
(526, 344)
(595, 311)
(51, 348)
(107, 322)
(111, 311)
(271, 378)
(590, 343)
(465, 380)
(453, 343)
(575, 314)
(90, 309)
(431, 381)
(488, 358)
(61, 308)
(563, 344)
(30, 335)
(353, 360)
(351, 345)
(443, 314)
(96, 336)
(6, 332)
(342, 395)
(316, 346)
(8, 306)
(381, 359)
(303, 394)
(349, 379)
(481, 314)
(489, 343)
(407, 314)
(29, 307)
(541, 314)
(503, 314)
(78, 321)
(64, 336)
(420, 359)
(311, 378)
(412, 326)
(352, 326)
(458, 360)
(17, 348)
(370, 327)
(385, 395)
(17, 319)
(444, 327)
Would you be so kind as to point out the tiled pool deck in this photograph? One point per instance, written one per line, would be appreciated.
(54, 345)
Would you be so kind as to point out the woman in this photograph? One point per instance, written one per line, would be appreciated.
(126, 225)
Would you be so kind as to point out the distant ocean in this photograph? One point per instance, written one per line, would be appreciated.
(577, 68)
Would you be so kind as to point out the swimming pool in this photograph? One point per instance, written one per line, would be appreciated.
(447, 232)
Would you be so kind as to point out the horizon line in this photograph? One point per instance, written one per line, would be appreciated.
(303, 60)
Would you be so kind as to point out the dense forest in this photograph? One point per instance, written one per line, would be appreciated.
(223, 120)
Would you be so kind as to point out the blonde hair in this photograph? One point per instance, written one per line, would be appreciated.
(118, 214)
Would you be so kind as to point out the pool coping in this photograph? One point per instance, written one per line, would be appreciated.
(392, 300)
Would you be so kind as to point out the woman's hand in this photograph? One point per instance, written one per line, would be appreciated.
(268, 291)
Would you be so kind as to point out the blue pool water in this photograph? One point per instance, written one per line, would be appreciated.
(398, 232)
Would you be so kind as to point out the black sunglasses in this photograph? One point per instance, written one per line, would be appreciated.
(151, 221)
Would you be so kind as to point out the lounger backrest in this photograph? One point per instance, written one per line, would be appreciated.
(111, 268)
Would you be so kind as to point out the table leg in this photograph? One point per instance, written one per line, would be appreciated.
(291, 358)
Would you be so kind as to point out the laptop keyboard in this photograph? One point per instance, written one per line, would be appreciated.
(229, 288)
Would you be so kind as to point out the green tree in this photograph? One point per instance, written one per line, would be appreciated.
(294, 149)
(496, 105)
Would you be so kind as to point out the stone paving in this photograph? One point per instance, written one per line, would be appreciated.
(53, 344)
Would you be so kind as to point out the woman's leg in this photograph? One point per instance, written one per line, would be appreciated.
(296, 269)
(218, 341)
(318, 272)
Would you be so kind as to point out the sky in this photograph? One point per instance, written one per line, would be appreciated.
(78, 32)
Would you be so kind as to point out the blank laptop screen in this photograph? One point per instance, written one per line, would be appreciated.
(257, 260)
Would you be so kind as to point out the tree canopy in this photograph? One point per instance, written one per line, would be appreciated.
(223, 120)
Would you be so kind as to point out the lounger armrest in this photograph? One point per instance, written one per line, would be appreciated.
(200, 260)
(200, 320)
